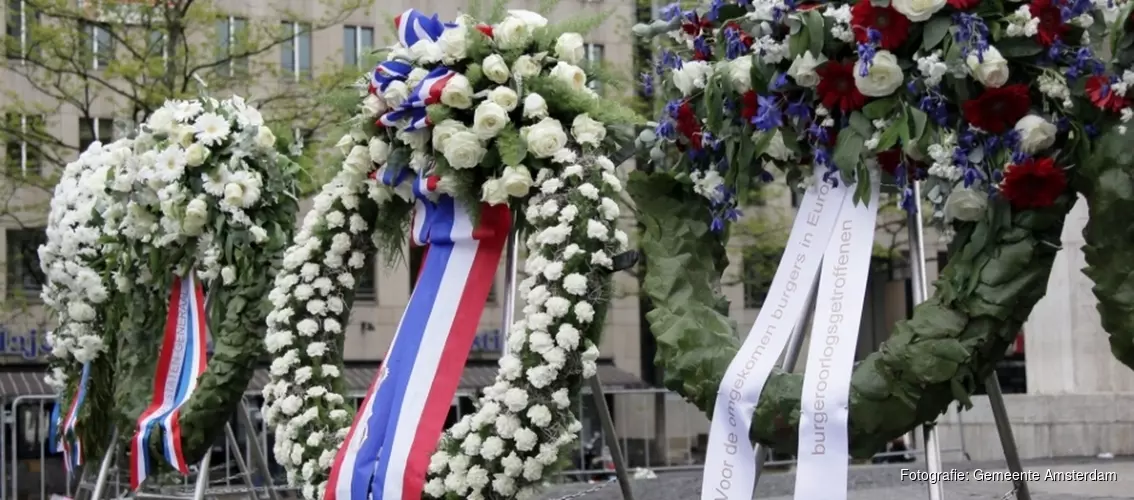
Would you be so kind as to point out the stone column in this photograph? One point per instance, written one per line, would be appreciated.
(1066, 349)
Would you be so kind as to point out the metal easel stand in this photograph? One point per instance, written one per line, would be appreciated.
(202, 487)
(992, 384)
(511, 265)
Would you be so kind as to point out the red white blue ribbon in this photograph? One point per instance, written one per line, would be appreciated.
(413, 27)
(62, 432)
(180, 364)
(387, 452)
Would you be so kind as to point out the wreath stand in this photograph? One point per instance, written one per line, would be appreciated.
(511, 264)
(929, 429)
(202, 488)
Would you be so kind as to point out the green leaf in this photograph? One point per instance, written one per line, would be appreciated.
(918, 120)
(799, 43)
(889, 137)
(511, 146)
(935, 31)
(1018, 47)
(848, 152)
(730, 11)
(880, 108)
(862, 184)
(816, 31)
(861, 125)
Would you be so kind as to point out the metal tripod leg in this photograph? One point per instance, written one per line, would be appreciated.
(787, 364)
(1007, 440)
(611, 438)
(104, 467)
(241, 465)
(920, 290)
(259, 457)
(202, 477)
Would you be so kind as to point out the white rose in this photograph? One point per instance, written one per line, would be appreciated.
(511, 33)
(196, 216)
(587, 131)
(358, 160)
(373, 105)
(530, 19)
(569, 47)
(495, 68)
(492, 192)
(965, 204)
(740, 74)
(464, 150)
(415, 77)
(427, 52)
(265, 139)
(546, 138)
(345, 144)
(443, 131)
(488, 120)
(233, 194)
(918, 10)
(517, 181)
(802, 69)
(571, 74)
(505, 97)
(526, 66)
(196, 154)
(457, 93)
(396, 93)
(693, 75)
(535, 107)
(379, 150)
(454, 44)
(991, 69)
(883, 78)
(1036, 134)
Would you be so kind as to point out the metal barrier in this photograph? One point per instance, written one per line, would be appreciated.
(31, 471)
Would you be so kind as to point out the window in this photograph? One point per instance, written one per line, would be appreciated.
(98, 44)
(94, 129)
(21, 17)
(759, 266)
(232, 32)
(295, 54)
(357, 42)
(24, 275)
(157, 46)
(594, 54)
(20, 155)
(365, 288)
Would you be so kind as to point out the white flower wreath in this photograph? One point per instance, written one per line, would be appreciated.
(524, 420)
(73, 259)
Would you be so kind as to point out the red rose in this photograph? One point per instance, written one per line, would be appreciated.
(836, 87)
(997, 110)
(749, 105)
(1102, 94)
(962, 4)
(1051, 26)
(890, 160)
(893, 26)
(1035, 183)
(688, 125)
(486, 29)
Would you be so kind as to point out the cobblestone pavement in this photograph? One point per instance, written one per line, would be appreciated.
(887, 482)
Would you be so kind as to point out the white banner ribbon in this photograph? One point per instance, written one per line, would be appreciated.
(730, 461)
(823, 456)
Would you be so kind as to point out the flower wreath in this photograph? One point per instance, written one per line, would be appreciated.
(205, 191)
(475, 109)
(940, 91)
(76, 260)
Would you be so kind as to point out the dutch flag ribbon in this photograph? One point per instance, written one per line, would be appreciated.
(181, 362)
(62, 432)
(413, 27)
(387, 452)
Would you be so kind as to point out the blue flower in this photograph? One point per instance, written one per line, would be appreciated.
(768, 115)
(669, 12)
(972, 34)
